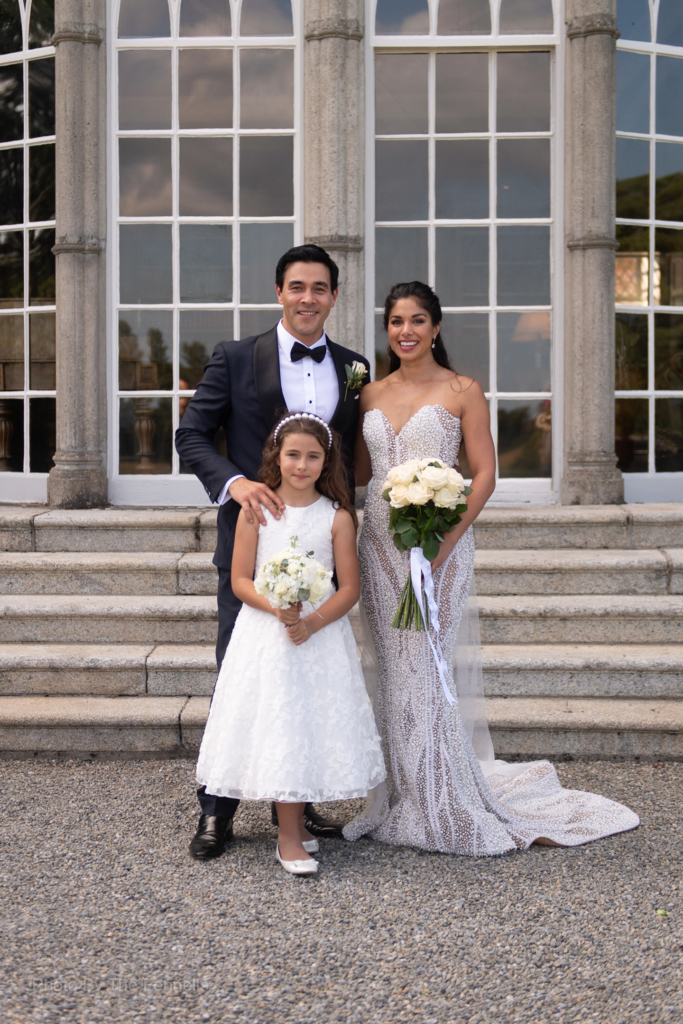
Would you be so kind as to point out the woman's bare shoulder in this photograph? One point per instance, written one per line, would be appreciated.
(371, 394)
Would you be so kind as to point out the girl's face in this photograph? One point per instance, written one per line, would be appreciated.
(410, 330)
(301, 460)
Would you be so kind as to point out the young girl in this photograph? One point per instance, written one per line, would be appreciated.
(290, 719)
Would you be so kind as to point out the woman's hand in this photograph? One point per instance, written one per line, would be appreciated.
(300, 632)
(288, 616)
(449, 542)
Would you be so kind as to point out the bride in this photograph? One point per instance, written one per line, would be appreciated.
(444, 790)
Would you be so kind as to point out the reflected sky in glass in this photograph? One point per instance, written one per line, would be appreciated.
(523, 92)
(266, 18)
(464, 17)
(266, 176)
(144, 20)
(462, 266)
(633, 19)
(524, 265)
(145, 177)
(145, 261)
(401, 180)
(462, 92)
(670, 23)
(258, 321)
(669, 116)
(205, 88)
(402, 17)
(633, 92)
(144, 89)
(462, 178)
(267, 88)
(205, 18)
(205, 263)
(205, 177)
(400, 255)
(401, 93)
(524, 178)
(524, 351)
(261, 247)
(520, 16)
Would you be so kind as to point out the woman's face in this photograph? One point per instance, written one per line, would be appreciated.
(410, 330)
(301, 460)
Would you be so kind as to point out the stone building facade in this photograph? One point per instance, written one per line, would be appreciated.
(523, 156)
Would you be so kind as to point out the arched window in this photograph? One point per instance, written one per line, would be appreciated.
(205, 18)
(464, 17)
(520, 16)
(144, 20)
(402, 17)
(670, 23)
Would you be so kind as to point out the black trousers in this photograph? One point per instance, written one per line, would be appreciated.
(228, 609)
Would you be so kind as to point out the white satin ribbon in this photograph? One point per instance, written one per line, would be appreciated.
(419, 567)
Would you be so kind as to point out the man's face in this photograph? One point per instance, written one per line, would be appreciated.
(306, 299)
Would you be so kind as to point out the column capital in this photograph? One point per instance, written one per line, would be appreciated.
(592, 25)
(593, 242)
(337, 243)
(334, 28)
(78, 32)
(81, 246)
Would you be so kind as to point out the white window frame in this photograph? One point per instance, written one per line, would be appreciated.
(175, 488)
(508, 490)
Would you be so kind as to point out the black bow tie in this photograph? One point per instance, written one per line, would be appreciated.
(300, 351)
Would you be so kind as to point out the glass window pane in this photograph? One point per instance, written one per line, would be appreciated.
(669, 435)
(11, 353)
(524, 438)
(200, 332)
(401, 93)
(630, 352)
(668, 352)
(633, 92)
(523, 92)
(10, 26)
(11, 435)
(401, 180)
(41, 171)
(145, 260)
(668, 284)
(266, 18)
(148, 20)
(205, 18)
(42, 25)
(205, 263)
(41, 337)
(11, 269)
(11, 102)
(145, 350)
(670, 23)
(258, 321)
(632, 265)
(11, 186)
(462, 92)
(205, 177)
(631, 434)
(145, 177)
(41, 267)
(267, 176)
(205, 88)
(524, 266)
(402, 17)
(524, 351)
(462, 178)
(633, 19)
(464, 17)
(144, 89)
(521, 16)
(462, 266)
(669, 181)
(42, 433)
(145, 435)
(633, 178)
(267, 88)
(400, 255)
(524, 177)
(381, 349)
(41, 97)
(466, 337)
(261, 246)
(669, 116)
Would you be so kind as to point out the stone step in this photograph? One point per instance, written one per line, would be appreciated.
(587, 619)
(172, 726)
(629, 671)
(109, 620)
(576, 571)
(37, 528)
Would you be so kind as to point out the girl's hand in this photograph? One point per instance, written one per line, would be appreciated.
(300, 632)
(288, 616)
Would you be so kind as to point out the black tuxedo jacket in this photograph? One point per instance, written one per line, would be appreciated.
(241, 392)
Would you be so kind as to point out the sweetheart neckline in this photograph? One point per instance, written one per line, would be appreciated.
(397, 433)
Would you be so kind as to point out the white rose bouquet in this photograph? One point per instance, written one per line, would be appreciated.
(292, 576)
(427, 500)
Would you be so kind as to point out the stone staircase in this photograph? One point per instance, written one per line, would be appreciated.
(108, 621)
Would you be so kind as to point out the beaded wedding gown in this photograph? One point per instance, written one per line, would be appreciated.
(438, 794)
(291, 723)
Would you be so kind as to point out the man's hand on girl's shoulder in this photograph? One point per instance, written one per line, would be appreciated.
(251, 495)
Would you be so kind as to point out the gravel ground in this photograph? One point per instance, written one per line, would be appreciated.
(106, 918)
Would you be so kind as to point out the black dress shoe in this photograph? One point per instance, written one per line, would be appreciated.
(210, 838)
(316, 825)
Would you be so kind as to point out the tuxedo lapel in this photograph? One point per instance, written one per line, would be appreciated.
(344, 413)
(267, 377)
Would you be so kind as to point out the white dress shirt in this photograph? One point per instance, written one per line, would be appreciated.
(307, 386)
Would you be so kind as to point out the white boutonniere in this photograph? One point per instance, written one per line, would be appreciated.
(355, 374)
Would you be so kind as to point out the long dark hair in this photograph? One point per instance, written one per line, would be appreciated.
(333, 482)
(429, 300)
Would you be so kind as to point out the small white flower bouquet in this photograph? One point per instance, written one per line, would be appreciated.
(427, 498)
(292, 576)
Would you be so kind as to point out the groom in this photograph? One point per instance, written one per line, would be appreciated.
(247, 386)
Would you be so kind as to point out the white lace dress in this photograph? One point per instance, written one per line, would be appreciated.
(291, 723)
(438, 796)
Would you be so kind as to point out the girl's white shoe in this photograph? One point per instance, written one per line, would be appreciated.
(297, 867)
(311, 846)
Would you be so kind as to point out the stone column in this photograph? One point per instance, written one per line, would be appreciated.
(590, 473)
(334, 152)
(79, 476)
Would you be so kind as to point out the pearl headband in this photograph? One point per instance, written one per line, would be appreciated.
(304, 416)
